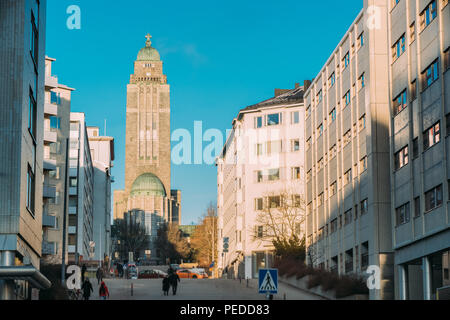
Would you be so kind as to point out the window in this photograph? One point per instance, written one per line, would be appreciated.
(319, 130)
(55, 98)
(447, 59)
(333, 152)
(275, 202)
(348, 217)
(308, 176)
(447, 123)
(332, 115)
(55, 123)
(347, 137)
(347, 98)
(30, 190)
(400, 103)
(258, 122)
(259, 232)
(402, 214)
(364, 206)
(413, 90)
(428, 15)
(362, 82)
(54, 174)
(333, 226)
(417, 207)
(32, 115)
(412, 32)
(432, 136)
(308, 111)
(308, 143)
(348, 177)
(34, 41)
(363, 164)
(259, 176)
(430, 75)
(319, 96)
(274, 147)
(362, 123)
(361, 40)
(274, 119)
(296, 173)
(332, 80)
(259, 204)
(273, 174)
(259, 149)
(295, 117)
(346, 60)
(333, 189)
(295, 145)
(320, 200)
(433, 198)
(401, 158)
(399, 48)
(415, 148)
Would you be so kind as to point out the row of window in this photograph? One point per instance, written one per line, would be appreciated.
(433, 200)
(275, 119)
(276, 147)
(276, 174)
(274, 202)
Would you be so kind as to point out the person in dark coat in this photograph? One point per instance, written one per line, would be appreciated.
(83, 271)
(99, 275)
(166, 285)
(87, 289)
(173, 280)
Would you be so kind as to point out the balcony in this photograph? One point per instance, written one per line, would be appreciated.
(50, 137)
(50, 109)
(49, 164)
(49, 191)
(51, 81)
(48, 247)
(49, 221)
(72, 230)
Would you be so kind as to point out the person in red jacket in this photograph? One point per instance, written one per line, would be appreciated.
(103, 291)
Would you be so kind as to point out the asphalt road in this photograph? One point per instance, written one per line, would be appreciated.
(196, 289)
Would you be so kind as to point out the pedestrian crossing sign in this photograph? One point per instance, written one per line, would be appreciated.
(268, 281)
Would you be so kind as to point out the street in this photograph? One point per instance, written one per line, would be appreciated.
(194, 289)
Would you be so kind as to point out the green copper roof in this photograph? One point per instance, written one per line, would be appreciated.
(147, 185)
(148, 53)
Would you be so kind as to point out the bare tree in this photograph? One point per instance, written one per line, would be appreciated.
(132, 237)
(171, 243)
(281, 220)
(204, 240)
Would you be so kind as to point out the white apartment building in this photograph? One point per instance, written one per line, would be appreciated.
(419, 87)
(56, 132)
(348, 224)
(261, 167)
(81, 192)
(102, 153)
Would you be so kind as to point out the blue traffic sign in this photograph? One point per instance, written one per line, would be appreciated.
(268, 281)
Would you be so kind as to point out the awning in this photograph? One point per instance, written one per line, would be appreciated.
(27, 273)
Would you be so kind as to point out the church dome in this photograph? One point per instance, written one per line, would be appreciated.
(148, 53)
(148, 185)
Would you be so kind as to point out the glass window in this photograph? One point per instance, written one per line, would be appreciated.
(295, 117)
(433, 198)
(347, 60)
(430, 75)
(332, 115)
(402, 214)
(296, 173)
(401, 158)
(364, 206)
(55, 98)
(295, 145)
(400, 103)
(55, 123)
(417, 207)
(275, 202)
(258, 122)
(348, 217)
(273, 174)
(273, 119)
(347, 98)
(259, 204)
(30, 191)
(432, 136)
(32, 116)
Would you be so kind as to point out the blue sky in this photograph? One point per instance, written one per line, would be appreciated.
(219, 57)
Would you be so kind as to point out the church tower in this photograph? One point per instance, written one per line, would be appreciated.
(147, 162)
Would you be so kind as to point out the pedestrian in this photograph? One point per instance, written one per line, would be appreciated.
(87, 289)
(83, 271)
(174, 279)
(120, 269)
(166, 285)
(99, 275)
(103, 292)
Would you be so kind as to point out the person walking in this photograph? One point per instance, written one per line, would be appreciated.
(99, 275)
(174, 279)
(103, 292)
(166, 285)
(87, 289)
(83, 271)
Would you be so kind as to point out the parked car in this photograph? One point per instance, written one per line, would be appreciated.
(201, 271)
(132, 271)
(189, 274)
(151, 274)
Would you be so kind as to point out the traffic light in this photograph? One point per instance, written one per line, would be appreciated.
(226, 244)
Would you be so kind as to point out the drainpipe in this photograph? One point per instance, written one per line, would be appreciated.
(7, 287)
(426, 278)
